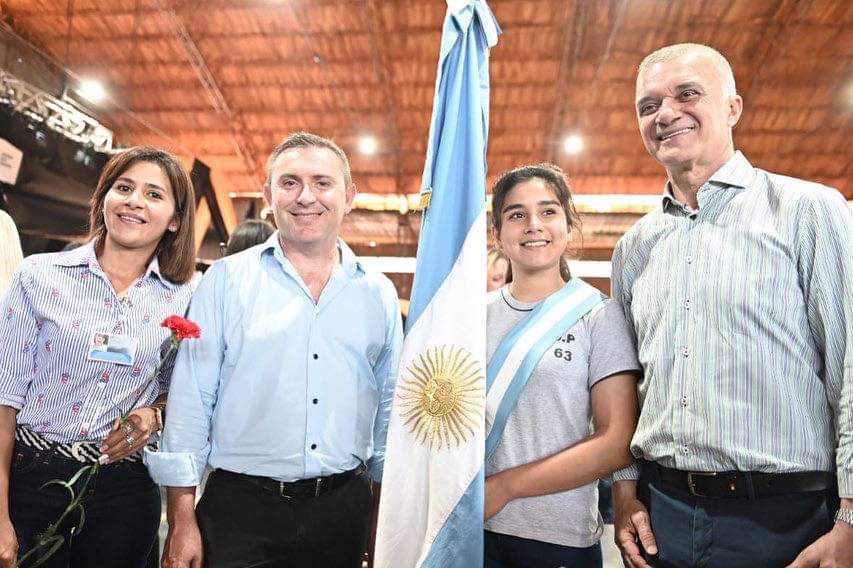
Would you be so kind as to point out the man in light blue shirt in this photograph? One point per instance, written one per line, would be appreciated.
(287, 393)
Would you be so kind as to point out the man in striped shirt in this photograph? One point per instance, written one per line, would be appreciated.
(740, 291)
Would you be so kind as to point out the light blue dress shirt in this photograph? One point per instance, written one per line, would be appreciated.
(279, 386)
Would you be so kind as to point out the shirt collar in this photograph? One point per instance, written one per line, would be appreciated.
(84, 255)
(736, 172)
(349, 262)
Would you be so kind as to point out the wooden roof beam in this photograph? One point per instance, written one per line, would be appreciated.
(242, 144)
(573, 34)
(769, 43)
(382, 70)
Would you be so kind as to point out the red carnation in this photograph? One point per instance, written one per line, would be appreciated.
(182, 328)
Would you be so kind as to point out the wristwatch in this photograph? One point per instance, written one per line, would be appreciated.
(844, 516)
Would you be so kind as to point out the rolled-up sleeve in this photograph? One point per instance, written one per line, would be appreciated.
(185, 443)
(19, 330)
(385, 370)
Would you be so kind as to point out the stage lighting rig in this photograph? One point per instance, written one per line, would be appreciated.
(56, 114)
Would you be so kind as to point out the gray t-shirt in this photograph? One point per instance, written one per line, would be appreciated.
(553, 412)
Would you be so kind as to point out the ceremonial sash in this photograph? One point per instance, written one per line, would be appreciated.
(521, 349)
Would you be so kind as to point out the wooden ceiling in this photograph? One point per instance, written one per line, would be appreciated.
(225, 80)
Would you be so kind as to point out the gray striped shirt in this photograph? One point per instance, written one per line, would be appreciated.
(743, 313)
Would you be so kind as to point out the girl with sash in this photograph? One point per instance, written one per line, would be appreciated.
(81, 335)
(561, 403)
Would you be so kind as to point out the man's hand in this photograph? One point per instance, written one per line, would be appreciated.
(834, 549)
(633, 528)
(8, 544)
(183, 548)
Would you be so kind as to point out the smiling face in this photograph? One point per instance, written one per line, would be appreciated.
(533, 232)
(685, 114)
(139, 208)
(309, 196)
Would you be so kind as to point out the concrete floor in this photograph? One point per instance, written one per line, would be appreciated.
(609, 550)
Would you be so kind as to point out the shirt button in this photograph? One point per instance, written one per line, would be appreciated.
(685, 450)
(316, 356)
(683, 401)
(313, 446)
(686, 304)
(685, 351)
(689, 259)
(315, 401)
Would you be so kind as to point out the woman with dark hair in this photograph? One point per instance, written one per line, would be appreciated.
(249, 233)
(60, 396)
(561, 359)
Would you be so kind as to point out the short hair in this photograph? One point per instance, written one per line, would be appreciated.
(176, 250)
(555, 178)
(247, 234)
(671, 52)
(308, 140)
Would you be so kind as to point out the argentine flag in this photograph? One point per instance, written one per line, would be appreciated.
(431, 511)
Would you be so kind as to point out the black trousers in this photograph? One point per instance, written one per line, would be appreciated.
(243, 525)
(122, 511)
(508, 551)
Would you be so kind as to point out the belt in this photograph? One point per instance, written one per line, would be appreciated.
(743, 484)
(300, 489)
(83, 452)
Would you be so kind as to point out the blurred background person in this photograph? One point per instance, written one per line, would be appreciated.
(10, 249)
(247, 234)
(497, 269)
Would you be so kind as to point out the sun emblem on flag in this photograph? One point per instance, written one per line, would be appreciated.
(442, 395)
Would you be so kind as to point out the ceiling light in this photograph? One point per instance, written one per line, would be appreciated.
(367, 145)
(573, 144)
(92, 91)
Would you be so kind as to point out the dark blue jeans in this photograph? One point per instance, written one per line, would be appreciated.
(507, 551)
(122, 510)
(733, 533)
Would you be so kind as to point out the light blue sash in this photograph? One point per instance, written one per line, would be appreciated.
(513, 361)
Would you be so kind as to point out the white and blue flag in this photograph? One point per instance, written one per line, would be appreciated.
(431, 512)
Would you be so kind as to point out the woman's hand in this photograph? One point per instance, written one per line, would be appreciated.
(8, 544)
(130, 437)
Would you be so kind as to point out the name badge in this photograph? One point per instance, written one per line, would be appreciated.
(112, 348)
